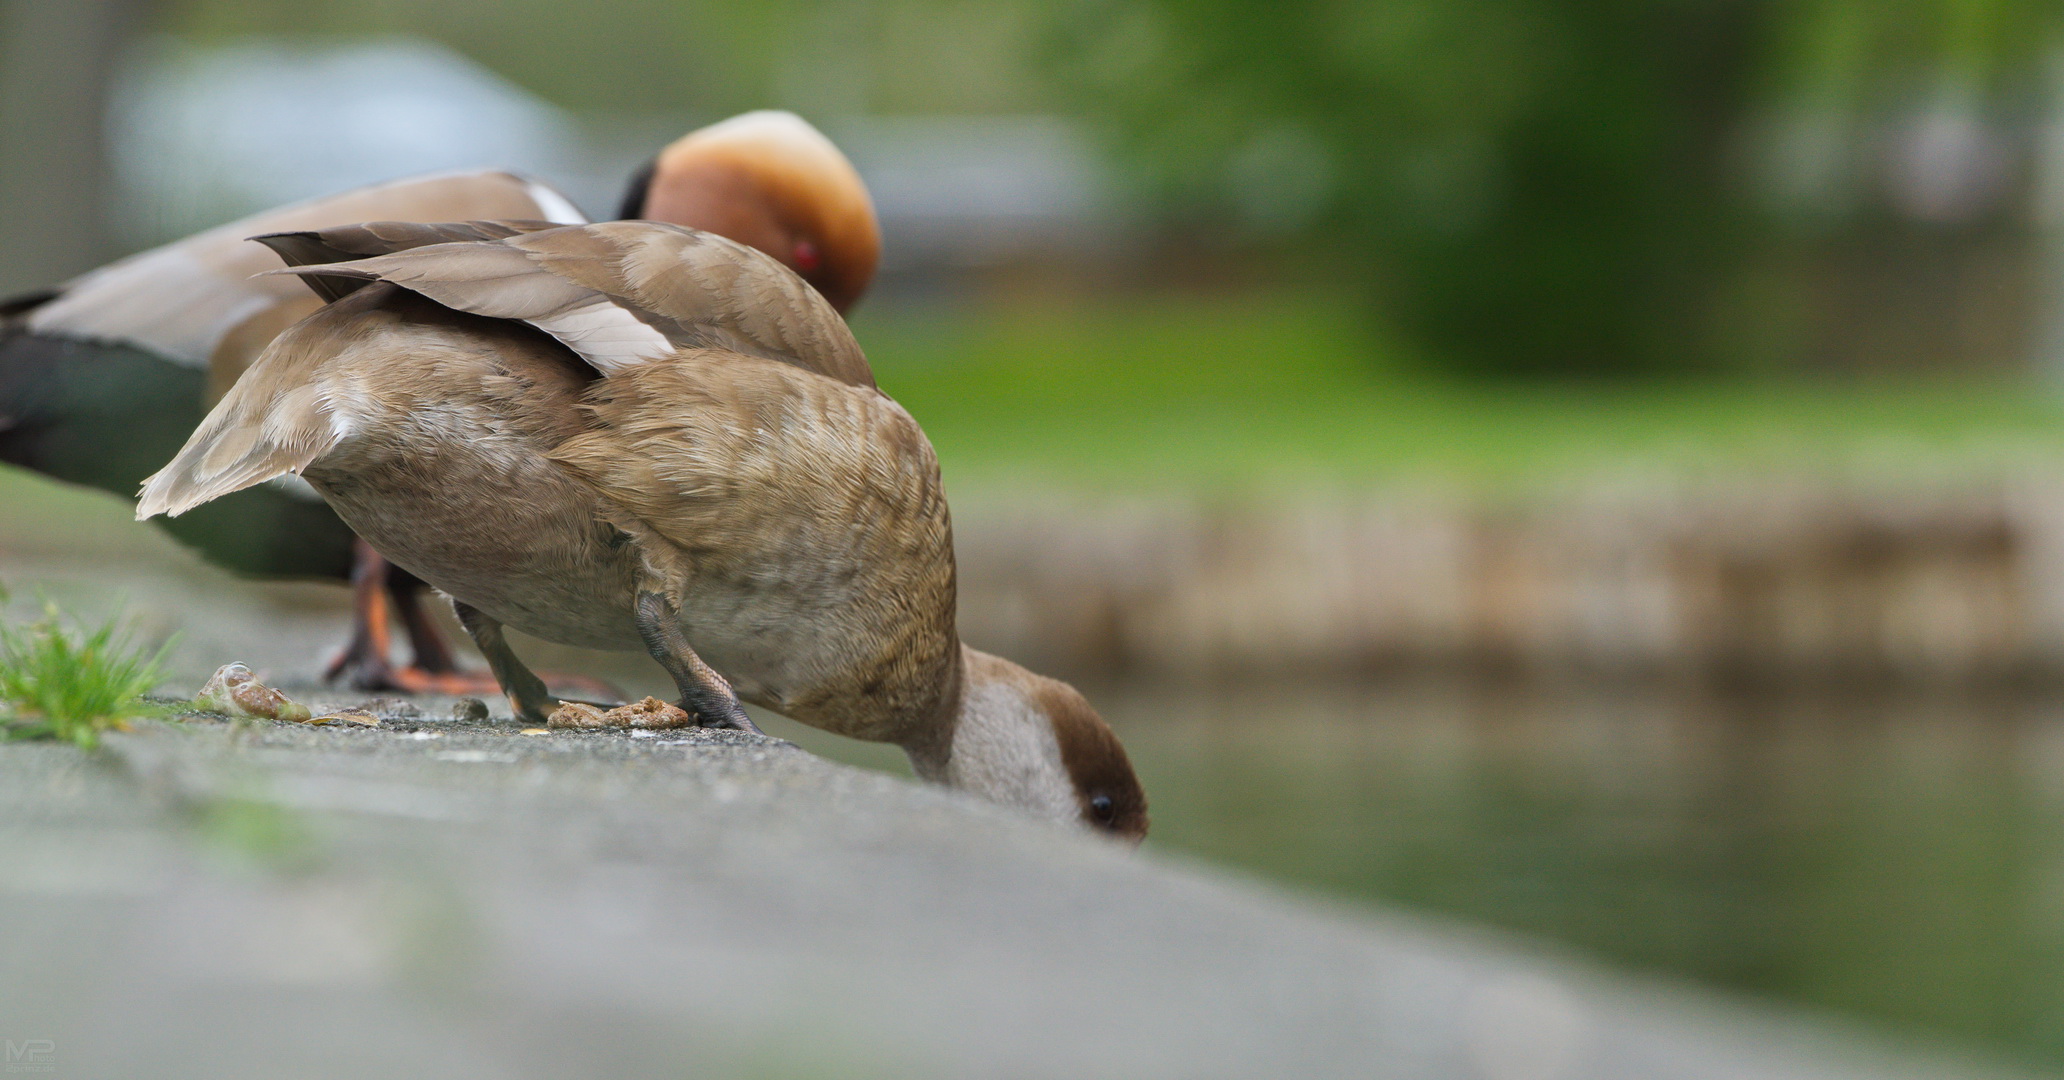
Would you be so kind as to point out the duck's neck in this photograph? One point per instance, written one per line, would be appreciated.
(997, 741)
(931, 747)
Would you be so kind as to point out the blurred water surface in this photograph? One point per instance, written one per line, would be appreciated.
(1895, 858)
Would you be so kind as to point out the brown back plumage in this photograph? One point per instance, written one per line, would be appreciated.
(621, 295)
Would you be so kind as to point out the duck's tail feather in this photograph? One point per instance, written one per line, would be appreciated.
(274, 421)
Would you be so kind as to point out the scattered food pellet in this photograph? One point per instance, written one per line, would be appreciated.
(535, 731)
(469, 708)
(356, 714)
(649, 713)
(575, 714)
(235, 691)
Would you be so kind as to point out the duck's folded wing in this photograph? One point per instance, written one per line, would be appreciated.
(620, 293)
(738, 459)
(345, 243)
(196, 301)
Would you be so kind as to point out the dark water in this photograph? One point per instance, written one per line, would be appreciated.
(1899, 860)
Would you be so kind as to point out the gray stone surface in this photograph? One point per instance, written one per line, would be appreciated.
(459, 900)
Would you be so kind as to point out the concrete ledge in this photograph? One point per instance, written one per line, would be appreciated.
(451, 900)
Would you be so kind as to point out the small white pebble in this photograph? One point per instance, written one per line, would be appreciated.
(472, 757)
(424, 735)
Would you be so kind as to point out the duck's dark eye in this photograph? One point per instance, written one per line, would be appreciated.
(1101, 808)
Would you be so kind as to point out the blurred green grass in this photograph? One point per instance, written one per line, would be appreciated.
(1245, 394)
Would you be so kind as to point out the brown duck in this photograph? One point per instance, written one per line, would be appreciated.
(146, 345)
(635, 435)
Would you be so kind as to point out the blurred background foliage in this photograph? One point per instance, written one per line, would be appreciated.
(1498, 187)
(1558, 188)
(1527, 187)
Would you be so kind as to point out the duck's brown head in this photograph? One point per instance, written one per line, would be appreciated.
(768, 180)
(1033, 742)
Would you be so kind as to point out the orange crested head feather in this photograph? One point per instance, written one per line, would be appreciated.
(769, 180)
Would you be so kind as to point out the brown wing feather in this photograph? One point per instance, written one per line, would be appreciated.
(705, 291)
(501, 282)
(626, 293)
(347, 242)
(186, 300)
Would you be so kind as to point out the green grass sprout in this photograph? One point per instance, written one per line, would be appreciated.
(62, 680)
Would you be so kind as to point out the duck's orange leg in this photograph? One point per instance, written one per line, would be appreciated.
(378, 588)
(364, 660)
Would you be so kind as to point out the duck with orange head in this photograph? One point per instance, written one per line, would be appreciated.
(102, 378)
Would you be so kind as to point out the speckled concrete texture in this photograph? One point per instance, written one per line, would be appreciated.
(455, 899)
